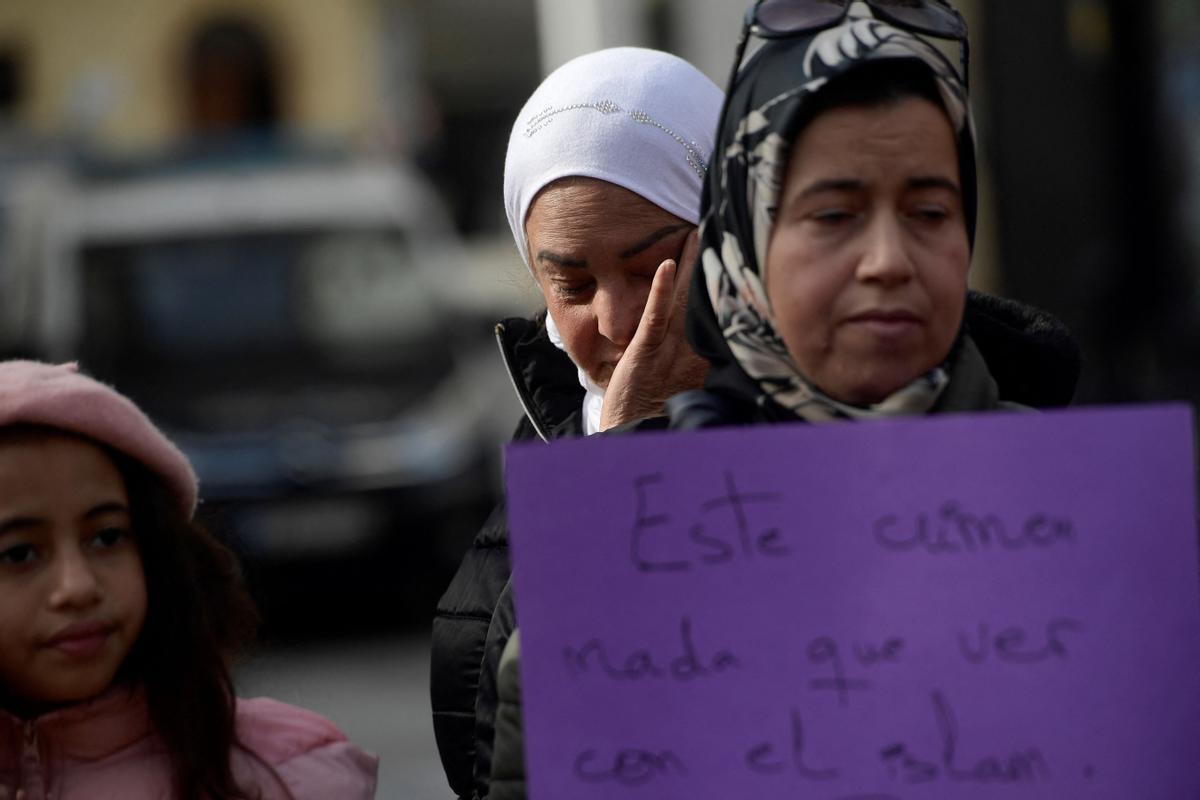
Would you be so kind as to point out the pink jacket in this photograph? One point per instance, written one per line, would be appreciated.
(106, 749)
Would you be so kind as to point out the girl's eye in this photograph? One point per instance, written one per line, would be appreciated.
(18, 554)
(110, 537)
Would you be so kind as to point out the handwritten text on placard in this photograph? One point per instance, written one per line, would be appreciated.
(993, 606)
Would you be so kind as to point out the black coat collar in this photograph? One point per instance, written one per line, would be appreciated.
(545, 379)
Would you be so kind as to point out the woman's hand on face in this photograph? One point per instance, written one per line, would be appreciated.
(659, 362)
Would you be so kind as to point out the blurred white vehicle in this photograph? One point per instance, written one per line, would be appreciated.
(291, 328)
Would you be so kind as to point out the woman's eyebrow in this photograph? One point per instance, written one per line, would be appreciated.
(561, 261)
(652, 238)
(854, 185)
(581, 263)
(933, 182)
(831, 185)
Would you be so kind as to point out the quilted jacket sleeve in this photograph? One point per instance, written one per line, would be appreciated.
(499, 631)
(508, 761)
(304, 751)
(461, 638)
(459, 644)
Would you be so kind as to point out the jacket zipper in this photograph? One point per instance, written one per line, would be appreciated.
(31, 767)
(519, 387)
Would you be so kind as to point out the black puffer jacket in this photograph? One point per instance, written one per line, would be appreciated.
(471, 626)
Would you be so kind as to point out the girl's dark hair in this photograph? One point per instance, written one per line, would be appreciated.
(199, 615)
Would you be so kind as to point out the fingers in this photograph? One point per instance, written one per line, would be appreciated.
(690, 253)
(656, 316)
(637, 372)
(687, 263)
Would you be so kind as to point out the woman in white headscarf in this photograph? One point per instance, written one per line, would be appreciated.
(602, 184)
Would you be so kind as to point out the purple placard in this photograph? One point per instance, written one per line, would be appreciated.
(973, 606)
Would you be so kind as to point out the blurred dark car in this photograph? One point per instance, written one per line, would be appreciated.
(285, 327)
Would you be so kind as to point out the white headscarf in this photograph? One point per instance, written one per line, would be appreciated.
(641, 119)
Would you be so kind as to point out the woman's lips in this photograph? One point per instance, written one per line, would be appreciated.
(887, 323)
(81, 640)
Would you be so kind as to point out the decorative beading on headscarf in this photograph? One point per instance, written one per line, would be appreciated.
(641, 119)
(745, 183)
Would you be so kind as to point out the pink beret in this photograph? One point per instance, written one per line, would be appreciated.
(33, 393)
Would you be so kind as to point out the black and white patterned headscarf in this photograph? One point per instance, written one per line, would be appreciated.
(730, 320)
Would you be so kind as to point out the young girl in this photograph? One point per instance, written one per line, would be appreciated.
(118, 618)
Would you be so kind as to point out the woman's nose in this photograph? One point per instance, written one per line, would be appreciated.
(75, 583)
(618, 309)
(886, 258)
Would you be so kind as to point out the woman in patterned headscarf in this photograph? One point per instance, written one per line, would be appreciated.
(838, 222)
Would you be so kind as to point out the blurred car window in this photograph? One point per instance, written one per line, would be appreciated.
(258, 292)
(360, 288)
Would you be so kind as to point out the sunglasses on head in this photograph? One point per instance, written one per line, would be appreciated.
(778, 19)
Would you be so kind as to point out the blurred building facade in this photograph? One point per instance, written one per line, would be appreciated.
(1088, 111)
(140, 75)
